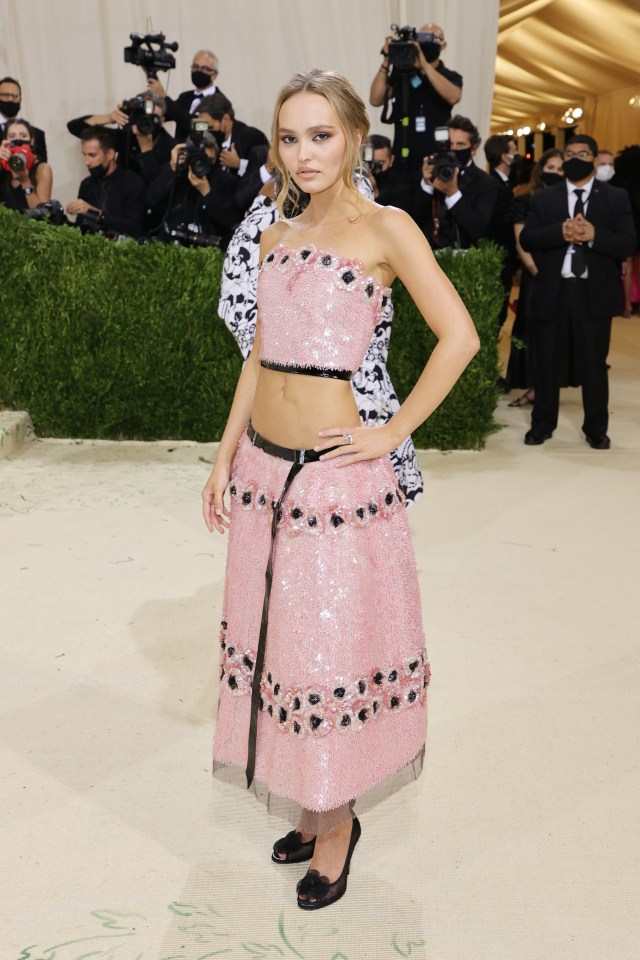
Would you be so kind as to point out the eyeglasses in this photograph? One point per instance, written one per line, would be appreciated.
(204, 68)
(582, 154)
(10, 96)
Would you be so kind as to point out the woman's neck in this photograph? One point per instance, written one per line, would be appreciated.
(332, 206)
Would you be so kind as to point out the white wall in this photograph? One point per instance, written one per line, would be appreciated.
(68, 54)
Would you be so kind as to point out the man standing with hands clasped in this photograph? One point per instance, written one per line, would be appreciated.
(579, 232)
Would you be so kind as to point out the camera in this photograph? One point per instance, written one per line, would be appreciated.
(50, 210)
(22, 157)
(367, 157)
(140, 111)
(402, 52)
(150, 52)
(185, 235)
(193, 155)
(444, 161)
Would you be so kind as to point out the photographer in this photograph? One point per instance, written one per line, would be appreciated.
(142, 143)
(10, 107)
(390, 187)
(25, 180)
(110, 198)
(421, 89)
(235, 138)
(455, 201)
(204, 74)
(197, 196)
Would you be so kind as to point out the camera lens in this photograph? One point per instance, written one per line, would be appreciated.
(17, 162)
(145, 124)
(201, 165)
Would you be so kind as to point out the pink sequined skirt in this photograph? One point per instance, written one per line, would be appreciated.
(340, 721)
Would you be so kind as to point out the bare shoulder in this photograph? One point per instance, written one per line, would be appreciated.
(392, 222)
(271, 237)
(399, 239)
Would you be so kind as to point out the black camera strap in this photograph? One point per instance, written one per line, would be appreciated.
(444, 225)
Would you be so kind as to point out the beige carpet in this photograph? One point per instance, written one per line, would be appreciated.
(520, 841)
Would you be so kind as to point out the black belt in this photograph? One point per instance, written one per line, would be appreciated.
(298, 458)
(308, 371)
(283, 453)
(574, 279)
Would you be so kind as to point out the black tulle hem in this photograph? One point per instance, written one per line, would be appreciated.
(321, 821)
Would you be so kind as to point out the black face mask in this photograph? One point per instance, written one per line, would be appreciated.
(516, 159)
(9, 108)
(431, 51)
(463, 156)
(550, 179)
(98, 173)
(200, 79)
(576, 169)
(218, 136)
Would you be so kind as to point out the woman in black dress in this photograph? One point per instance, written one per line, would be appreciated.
(25, 181)
(546, 172)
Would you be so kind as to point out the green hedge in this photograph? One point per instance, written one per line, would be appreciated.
(122, 340)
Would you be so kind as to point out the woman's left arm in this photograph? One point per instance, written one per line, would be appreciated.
(407, 252)
(43, 184)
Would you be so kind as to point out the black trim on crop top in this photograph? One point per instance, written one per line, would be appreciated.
(307, 371)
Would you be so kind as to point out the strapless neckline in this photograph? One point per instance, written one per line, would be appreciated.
(300, 255)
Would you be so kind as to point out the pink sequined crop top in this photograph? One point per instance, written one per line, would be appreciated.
(318, 311)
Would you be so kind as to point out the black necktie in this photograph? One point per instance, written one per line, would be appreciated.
(577, 257)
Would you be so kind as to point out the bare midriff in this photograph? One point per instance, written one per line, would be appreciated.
(291, 408)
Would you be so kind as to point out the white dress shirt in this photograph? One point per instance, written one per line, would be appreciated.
(242, 169)
(449, 201)
(571, 196)
(199, 95)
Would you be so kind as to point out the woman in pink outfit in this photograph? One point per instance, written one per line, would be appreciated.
(323, 664)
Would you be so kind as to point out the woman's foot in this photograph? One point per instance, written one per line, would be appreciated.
(296, 847)
(326, 879)
(526, 398)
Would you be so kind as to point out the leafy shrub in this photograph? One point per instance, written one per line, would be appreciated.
(123, 341)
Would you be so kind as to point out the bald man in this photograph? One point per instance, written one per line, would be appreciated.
(204, 77)
(430, 91)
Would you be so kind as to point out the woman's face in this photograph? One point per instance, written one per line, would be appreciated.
(18, 131)
(311, 142)
(553, 165)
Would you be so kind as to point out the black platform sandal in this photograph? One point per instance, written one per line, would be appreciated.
(294, 848)
(319, 888)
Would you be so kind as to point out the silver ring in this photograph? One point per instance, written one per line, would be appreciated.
(348, 437)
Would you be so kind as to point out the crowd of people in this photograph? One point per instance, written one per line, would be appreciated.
(213, 183)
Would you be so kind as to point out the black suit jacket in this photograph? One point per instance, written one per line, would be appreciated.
(609, 210)
(501, 227)
(469, 219)
(178, 111)
(245, 138)
(250, 185)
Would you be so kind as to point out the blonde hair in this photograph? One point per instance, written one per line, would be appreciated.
(351, 112)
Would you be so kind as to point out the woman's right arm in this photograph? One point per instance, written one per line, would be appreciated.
(216, 515)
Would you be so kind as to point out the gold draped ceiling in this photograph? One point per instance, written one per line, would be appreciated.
(556, 54)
